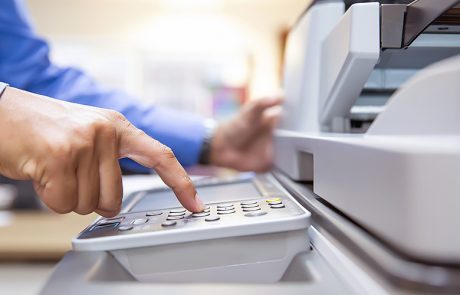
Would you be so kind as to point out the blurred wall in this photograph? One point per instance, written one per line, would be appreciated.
(173, 52)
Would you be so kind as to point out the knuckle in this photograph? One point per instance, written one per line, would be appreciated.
(166, 155)
(183, 184)
(62, 151)
(62, 207)
(115, 116)
(85, 210)
(109, 132)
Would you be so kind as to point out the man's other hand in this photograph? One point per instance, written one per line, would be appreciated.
(245, 142)
(71, 153)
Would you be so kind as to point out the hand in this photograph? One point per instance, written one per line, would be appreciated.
(245, 142)
(71, 153)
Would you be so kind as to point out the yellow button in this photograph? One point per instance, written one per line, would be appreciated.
(273, 200)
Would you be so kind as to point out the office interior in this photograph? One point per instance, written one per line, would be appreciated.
(366, 153)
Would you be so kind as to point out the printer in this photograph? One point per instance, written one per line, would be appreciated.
(365, 194)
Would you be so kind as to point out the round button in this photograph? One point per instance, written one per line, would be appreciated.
(176, 214)
(273, 200)
(201, 214)
(226, 212)
(111, 220)
(224, 205)
(255, 213)
(251, 209)
(125, 227)
(277, 206)
(169, 223)
(225, 209)
(250, 206)
(174, 217)
(140, 221)
(153, 213)
(180, 210)
(275, 203)
(212, 218)
(248, 203)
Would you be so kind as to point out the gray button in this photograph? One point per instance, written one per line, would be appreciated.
(226, 212)
(248, 203)
(125, 227)
(277, 206)
(225, 205)
(174, 217)
(140, 221)
(169, 223)
(200, 214)
(251, 209)
(111, 220)
(212, 218)
(180, 210)
(275, 202)
(250, 206)
(225, 208)
(176, 214)
(255, 213)
(153, 213)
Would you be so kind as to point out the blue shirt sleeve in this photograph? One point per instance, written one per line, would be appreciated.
(25, 64)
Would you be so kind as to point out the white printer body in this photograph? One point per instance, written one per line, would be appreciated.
(400, 177)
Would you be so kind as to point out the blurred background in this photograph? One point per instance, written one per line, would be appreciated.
(202, 56)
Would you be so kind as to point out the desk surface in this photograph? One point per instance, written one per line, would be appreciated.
(40, 235)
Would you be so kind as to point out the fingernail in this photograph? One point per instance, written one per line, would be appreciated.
(199, 203)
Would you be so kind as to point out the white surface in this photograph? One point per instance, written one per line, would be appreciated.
(401, 179)
(427, 104)
(23, 278)
(238, 260)
(302, 66)
(349, 54)
(351, 274)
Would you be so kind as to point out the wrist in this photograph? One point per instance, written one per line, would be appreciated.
(204, 157)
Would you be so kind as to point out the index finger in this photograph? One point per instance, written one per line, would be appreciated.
(138, 146)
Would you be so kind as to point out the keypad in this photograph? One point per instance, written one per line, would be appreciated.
(213, 213)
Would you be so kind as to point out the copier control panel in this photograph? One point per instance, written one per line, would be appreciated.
(242, 215)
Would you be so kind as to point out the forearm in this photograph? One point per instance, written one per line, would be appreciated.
(25, 64)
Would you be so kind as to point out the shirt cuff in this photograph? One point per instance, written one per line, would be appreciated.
(2, 88)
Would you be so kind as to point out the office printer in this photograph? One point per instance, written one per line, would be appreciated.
(369, 144)
(400, 178)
